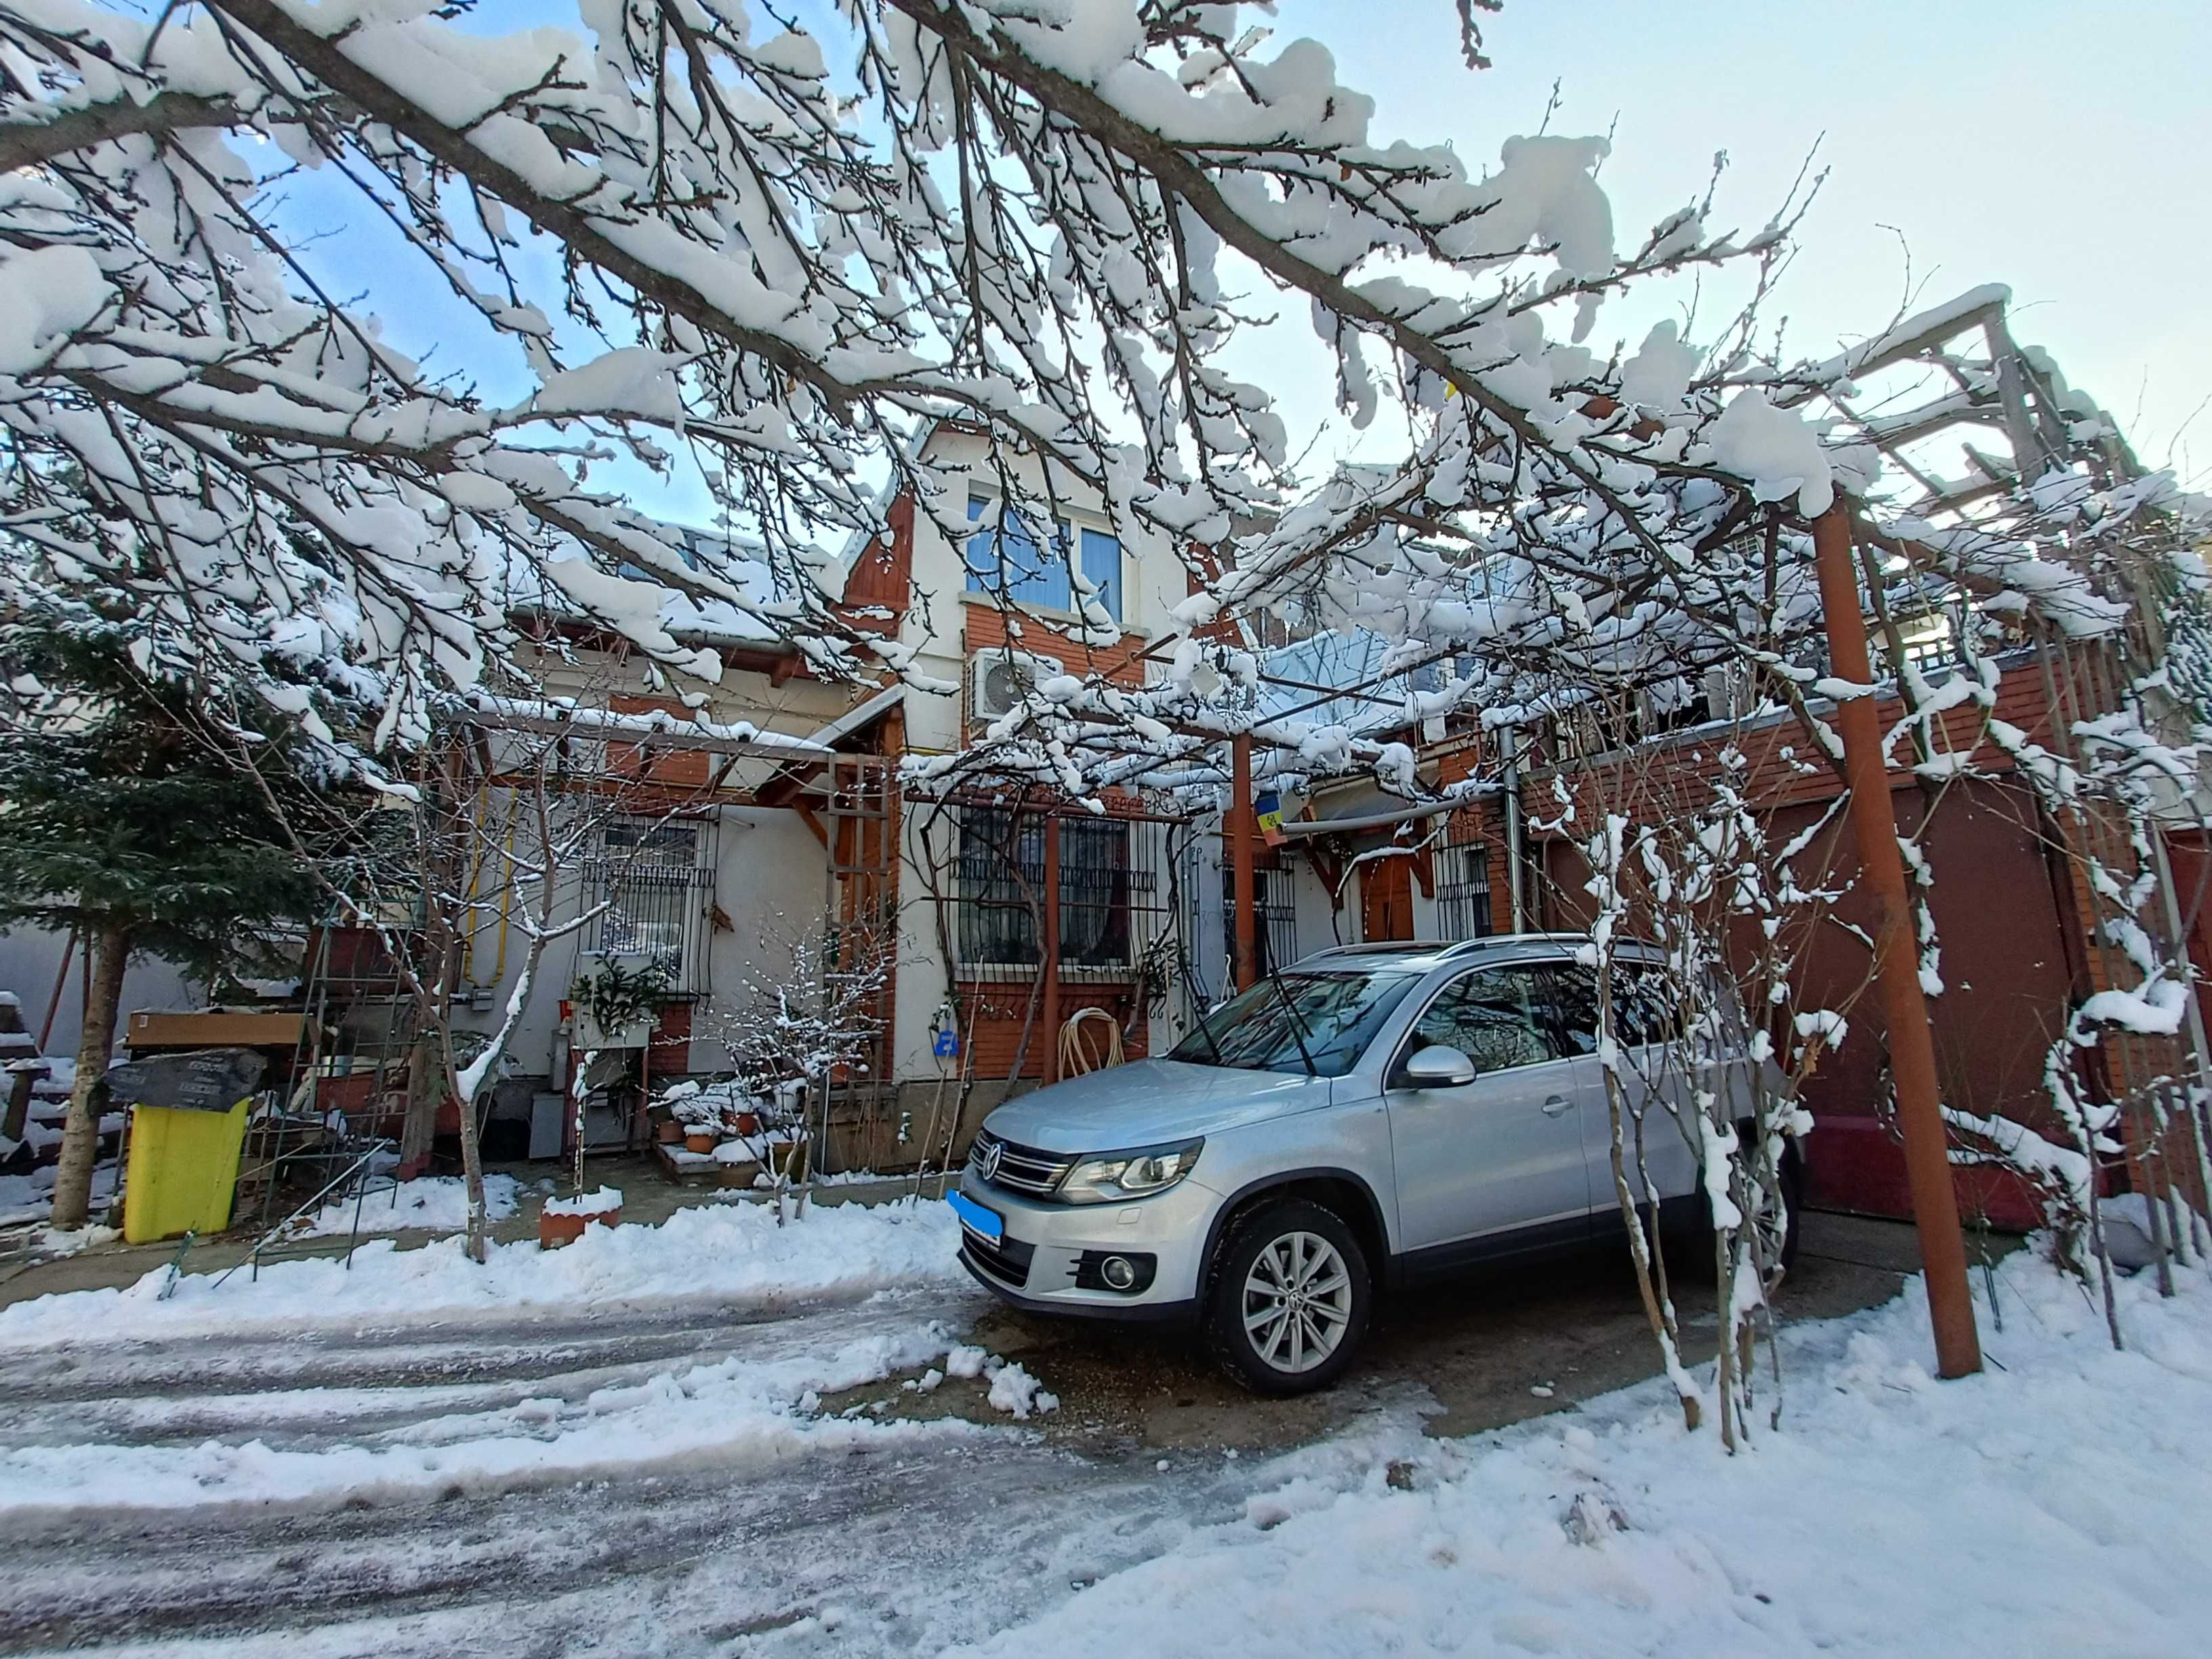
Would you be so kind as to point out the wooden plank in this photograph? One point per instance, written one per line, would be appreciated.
(213, 1028)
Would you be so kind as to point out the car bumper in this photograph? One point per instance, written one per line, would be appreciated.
(1046, 1248)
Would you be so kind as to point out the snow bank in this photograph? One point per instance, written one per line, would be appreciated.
(721, 1254)
(433, 1203)
(2057, 1506)
(736, 1411)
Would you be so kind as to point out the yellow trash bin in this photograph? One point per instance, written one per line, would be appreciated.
(183, 1171)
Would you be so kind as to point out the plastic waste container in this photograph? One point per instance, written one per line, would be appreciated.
(183, 1171)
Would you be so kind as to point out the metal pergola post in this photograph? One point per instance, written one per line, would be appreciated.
(1897, 965)
(1237, 825)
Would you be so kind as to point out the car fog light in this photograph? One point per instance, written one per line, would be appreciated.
(1117, 1272)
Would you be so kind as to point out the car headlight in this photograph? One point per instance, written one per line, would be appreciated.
(1137, 1174)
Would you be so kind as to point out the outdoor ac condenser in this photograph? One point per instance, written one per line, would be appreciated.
(999, 677)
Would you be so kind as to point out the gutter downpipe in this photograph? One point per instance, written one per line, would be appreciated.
(1509, 748)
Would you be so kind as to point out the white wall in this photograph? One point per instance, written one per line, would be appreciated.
(1152, 580)
(31, 957)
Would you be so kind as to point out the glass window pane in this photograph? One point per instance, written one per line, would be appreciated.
(1643, 1005)
(1009, 557)
(1336, 1015)
(1094, 893)
(1491, 1017)
(1001, 867)
(1102, 564)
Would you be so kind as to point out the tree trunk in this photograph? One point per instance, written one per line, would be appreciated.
(479, 1242)
(111, 952)
(426, 1088)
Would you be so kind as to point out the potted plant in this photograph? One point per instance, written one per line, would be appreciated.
(562, 1220)
(616, 997)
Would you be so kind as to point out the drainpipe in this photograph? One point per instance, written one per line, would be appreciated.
(1516, 885)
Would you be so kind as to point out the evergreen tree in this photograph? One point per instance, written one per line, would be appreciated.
(120, 822)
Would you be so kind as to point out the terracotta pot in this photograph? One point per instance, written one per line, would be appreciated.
(748, 1124)
(701, 1140)
(555, 1230)
(668, 1132)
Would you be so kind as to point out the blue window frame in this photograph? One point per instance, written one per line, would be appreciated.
(1009, 553)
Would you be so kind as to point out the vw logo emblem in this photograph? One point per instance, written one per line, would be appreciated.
(988, 1165)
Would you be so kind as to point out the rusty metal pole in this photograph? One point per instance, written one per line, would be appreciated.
(1897, 965)
(1237, 825)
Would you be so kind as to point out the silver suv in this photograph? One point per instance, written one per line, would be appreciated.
(1369, 1117)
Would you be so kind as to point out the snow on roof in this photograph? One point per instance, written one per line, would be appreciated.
(1346, 659)
(606, 722)
(859, 716)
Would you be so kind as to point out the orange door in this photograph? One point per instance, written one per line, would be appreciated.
(1386, 899)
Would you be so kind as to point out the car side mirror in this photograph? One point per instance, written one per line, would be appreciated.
(1438, 1066)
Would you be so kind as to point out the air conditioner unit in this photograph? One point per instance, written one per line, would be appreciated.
(999, 679)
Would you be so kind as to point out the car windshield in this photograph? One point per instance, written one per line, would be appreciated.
(1335, 1014)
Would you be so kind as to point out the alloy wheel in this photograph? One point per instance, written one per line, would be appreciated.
(1297, 1301)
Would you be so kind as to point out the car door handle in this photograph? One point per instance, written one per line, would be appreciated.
(1555, 1104)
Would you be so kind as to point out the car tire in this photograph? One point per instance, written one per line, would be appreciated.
(1264, 1321)
(1694, 1248)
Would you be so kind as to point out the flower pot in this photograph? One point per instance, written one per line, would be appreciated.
(556, 1229)
(701, 1140)
(787, 1158)
(748, 1124)
(668, 1132)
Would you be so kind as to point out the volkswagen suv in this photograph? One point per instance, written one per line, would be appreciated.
(1371, 1117)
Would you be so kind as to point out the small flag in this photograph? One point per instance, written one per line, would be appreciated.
(1270, 807)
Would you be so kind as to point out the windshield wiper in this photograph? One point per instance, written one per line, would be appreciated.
(1298, 1022)
(1212, 1041)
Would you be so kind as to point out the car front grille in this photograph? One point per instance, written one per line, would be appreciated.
(1009, 1260)
(1020, 1169)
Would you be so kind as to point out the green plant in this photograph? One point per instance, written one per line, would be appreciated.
(612, 996)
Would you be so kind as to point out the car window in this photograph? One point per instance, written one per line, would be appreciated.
(1334, 1015)
(1492, 1017)
(1643, 1005)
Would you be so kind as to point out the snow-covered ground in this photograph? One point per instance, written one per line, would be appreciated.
(2059, 1504)
(31, 1197)
(666, 1480)
(436, 1203)
(721, 1253)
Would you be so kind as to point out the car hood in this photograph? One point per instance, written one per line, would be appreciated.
(1150, 1101)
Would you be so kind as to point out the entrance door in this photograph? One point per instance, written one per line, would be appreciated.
(1497, 1164)
(1386, 899)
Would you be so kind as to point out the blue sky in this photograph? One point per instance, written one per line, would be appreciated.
(2048, 147)
(2065, 150)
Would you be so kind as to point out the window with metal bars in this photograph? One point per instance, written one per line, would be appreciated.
(1463, 890)
(1110, 899)
(1276, 934)
(655, 888)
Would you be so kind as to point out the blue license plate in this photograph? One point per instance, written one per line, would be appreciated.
(976, 1218)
